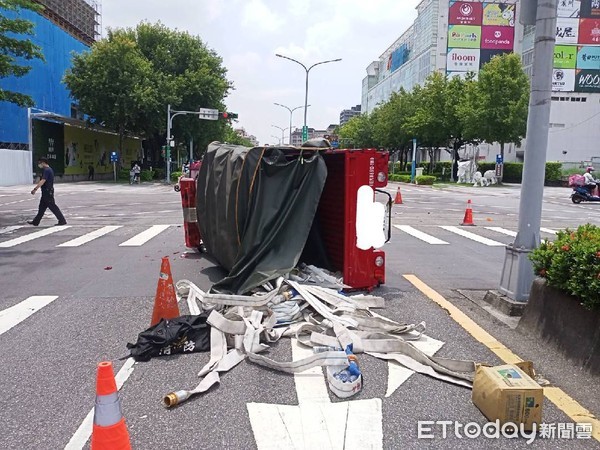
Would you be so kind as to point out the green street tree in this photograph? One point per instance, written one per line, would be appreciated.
(457, 91)
(128, 79)
(232, 137)
(391, 125)
(428, 122)
(114, 83)
(358, 131)
(496, 109)
(14, 48)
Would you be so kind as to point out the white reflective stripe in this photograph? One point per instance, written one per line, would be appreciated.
(32, 236)
(107, 411)
(190, 215)
(89, 236)
(473, 237)
(420, 235)
(548, 230)
(83, 433)
(503, 231)
(144, 236)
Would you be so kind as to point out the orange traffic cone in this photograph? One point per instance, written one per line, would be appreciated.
(109, 429)
(165, 302)
(468, 220)
(398, 199)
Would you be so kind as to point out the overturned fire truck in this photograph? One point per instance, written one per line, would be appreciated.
(261, 211)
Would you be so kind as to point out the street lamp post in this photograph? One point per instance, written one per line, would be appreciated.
(291, 113)
(282, 134)
(307, 70)
(277, 137)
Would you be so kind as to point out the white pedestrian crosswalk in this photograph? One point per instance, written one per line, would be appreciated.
(139, 235)
(89, 236)
(145, 236)
(133, 236)
(32, 236)
(18, 313)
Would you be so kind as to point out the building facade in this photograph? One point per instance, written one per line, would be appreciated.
(456, 37)
(65, 26)
(348, 114)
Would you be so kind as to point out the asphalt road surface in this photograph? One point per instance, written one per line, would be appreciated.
(77, 294)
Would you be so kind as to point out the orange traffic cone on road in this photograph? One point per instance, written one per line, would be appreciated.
(165, 302)
(398, 199)
(110, 430)
(468, 220)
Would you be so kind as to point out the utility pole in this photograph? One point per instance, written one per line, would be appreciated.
(517, 273)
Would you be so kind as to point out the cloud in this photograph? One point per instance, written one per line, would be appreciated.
(259, 16)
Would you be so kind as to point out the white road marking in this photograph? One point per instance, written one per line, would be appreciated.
(89, 236)
(16, 314)
(420, 235)
(32, 236)
(547, 230)
(9, 229)
(315, 422)
(503, 231)
(473, 236)
(398, 374)
(310, 384)
(144, 236)
(84, 431)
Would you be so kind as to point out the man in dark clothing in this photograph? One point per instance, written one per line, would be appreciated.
(47, 201)
(91, 172)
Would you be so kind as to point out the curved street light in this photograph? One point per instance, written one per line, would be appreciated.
(307, 70)
(291, 110)
(277, 137)
(282, 135)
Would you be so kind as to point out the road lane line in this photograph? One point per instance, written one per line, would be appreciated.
(84, 431)
(420, 235)
(473, 236)
(89, 236)
(9, 229)
(547, 230)
(561, 399)
(144, 236)
(16, 314)
(503, 231)
(32, 236)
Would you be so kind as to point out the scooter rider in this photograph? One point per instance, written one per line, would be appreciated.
(590, 181)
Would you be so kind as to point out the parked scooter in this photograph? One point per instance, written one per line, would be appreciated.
(582, 194)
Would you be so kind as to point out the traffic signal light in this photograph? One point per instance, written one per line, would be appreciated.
(228, 115)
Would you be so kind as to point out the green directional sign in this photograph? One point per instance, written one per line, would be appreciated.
(304, 133)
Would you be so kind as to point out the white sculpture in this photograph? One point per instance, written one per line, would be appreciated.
(488, 178)
(466, 171)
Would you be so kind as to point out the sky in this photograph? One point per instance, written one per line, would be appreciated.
(248, 33)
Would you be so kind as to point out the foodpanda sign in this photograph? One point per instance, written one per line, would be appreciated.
(497, 38)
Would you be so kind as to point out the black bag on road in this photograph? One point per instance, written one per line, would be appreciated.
(184, 334)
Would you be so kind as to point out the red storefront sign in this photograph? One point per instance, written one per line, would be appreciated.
(589, 31)
(497, 38)
(465, 13)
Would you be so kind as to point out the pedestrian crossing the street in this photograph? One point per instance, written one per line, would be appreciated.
(138, 235)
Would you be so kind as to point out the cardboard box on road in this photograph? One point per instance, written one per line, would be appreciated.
(508, 394)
